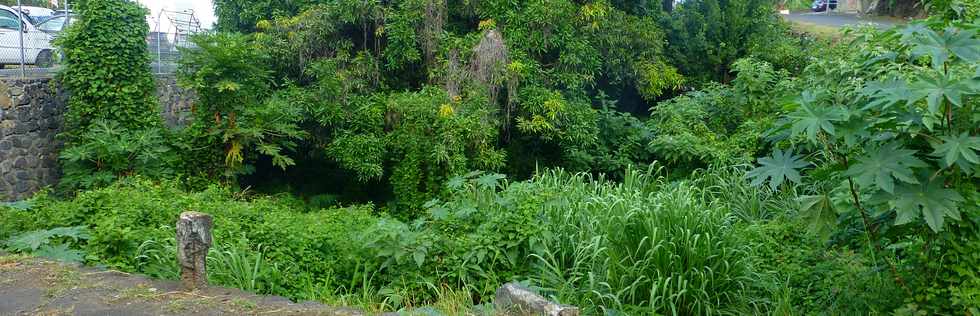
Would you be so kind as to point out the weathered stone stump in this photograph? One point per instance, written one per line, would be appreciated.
(515, 300)
(193, 242)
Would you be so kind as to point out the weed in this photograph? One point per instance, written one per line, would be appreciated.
(244, 304)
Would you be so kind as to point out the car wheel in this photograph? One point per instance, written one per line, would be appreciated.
(44, 59)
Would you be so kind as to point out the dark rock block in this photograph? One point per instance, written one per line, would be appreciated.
(21, 187)
(20, 163)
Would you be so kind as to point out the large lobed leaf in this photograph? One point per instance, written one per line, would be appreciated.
(812, 118)
(940, 47)
(880, 166)
(781, 166)
(958, 150)
(33, 240)
(928, 199)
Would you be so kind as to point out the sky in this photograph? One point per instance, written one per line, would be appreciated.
(202, 9)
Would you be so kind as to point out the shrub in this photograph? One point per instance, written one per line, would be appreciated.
(131, 225)
(951, 282)
(707, 36)
(819, 279)
(112, 126)
(552, 230)
(107, 69)
(108, 151)
(661, 248)
(720, 124)
(892, 138)
(238, 115)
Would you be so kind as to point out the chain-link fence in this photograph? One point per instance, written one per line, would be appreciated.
(27, 34)
(171, 33)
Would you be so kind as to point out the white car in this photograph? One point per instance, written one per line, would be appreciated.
(55, 24)
(36, 13)
(37, 44)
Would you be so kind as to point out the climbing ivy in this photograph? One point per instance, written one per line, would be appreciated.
(112, 125)
(107, 69)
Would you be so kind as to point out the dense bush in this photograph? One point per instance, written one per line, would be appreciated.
(239, 117)
(136, 233)
(868, 204)
(108, 151)
(890, 130)
(112, 125)
(551, 231)
(107, 66)
(720, 124)
(707, 36)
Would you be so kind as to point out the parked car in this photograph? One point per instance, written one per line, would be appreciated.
(36, 13)
(821, 5)
(36, 43)
(55, 24)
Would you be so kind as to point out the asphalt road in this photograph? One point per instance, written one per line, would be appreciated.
(841, 19)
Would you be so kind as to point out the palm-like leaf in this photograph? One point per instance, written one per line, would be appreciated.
(959, 150)
(781, 166)
(812, 118)
(927, 199)
(880, 166)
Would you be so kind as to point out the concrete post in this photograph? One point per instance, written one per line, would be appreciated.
(193, 242)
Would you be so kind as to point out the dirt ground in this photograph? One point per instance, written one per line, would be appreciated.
(32, 286)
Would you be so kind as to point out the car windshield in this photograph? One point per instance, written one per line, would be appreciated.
(53, 24)
(29, 17)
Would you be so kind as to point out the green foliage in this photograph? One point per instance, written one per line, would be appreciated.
(409, 96)
(108, 151)
(558, 228)
(486, 232)
(950, 285)
(782, 166)
(950, 10)
(112, 125)
(365, 87)
(820, 280)
(242, 15)
(622, 141)
(43, 243)
(107, 69)
(635, 233)
(890, 129)
(136, 234)
(239, 117)
(428, 143)
(917, 133)
(719, 124)
(707, 36)
(880, 166)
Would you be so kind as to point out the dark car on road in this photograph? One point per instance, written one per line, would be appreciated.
(821, 5)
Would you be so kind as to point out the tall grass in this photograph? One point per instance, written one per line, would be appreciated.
(727, 187)
(643, 246)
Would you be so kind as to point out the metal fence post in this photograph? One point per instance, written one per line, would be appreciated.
(67, 14)
(159, 59)
(20, 28)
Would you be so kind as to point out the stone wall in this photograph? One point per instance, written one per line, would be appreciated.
(175, 102)
(31, 115)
